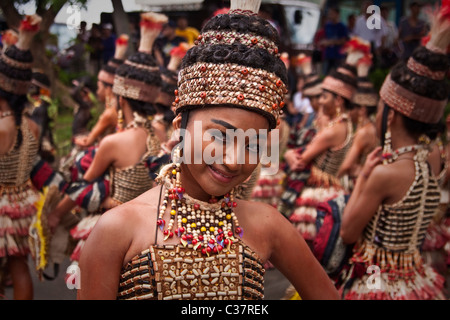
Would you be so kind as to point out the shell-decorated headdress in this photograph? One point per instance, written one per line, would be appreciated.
(234, 63)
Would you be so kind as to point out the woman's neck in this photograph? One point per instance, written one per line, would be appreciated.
(127, 115)
(191, 186)
(4, 106)
(401, 139)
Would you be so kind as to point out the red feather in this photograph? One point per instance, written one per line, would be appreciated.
(26, 25)
(122, 41)
(445, 9)
(150, 24)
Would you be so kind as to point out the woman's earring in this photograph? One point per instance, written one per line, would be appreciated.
(120, 120)
(387, 147)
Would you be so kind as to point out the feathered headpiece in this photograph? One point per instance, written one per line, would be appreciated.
(139, 78)
(16, 61)
(108, 71)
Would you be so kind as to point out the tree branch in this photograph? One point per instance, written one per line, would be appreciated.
(10, 13)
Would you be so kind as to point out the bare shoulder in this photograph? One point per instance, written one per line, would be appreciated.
(138, 220)
(261, 218)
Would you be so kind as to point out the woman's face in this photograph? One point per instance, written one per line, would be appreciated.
(228, 141)
(327, 103)
(101, 91)
(314, 100)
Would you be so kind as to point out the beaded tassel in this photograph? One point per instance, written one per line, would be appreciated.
(209, 226)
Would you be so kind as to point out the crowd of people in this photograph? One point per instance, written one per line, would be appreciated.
(389, 42)
(354, 206)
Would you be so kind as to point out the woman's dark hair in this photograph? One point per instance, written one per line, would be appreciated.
(168, 114)
(112, 65)
(170, 85)
(106, 84)
(415, 128)
(141, 107)
(131, 72)
(371, 110)
(348, 105)
(17, 103)
(423, 86)
(346, 79)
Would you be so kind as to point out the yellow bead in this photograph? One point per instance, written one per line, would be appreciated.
(184, 220)
(228, 216)
(203, 229)
(174, 171)
(173, 212)
(220, 223)
(212, 229)
(193, 225)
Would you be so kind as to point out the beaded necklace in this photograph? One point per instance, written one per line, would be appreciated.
(389, 157)
(205, 225)
(5, 114)
(337, 119)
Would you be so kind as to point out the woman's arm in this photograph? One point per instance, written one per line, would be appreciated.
(292, 256)
(352, 156)
(369, 193)
(103, 159)
(108, 119)
(324, 140)
(102, 256)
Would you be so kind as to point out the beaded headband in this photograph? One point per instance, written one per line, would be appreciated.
(135, 89)
(14, 86)
(232, 84)
(365, 94)
(230, 37)
(338, 87)
(106, 77)
(217, 84)
(410, 104)
(424, 71)
(313, 86)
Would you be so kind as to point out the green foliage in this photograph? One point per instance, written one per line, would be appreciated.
(62, 132)
(377, 77)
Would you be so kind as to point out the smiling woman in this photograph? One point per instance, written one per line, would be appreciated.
(192, 237)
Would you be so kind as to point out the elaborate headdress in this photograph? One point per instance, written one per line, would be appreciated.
(169, 75)
(313, 82)
(16, 61)
(342, 81)
(108, 71)
(138, 78)
(417, 89)
(9, 38)
(365, 94)
(235, 63)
